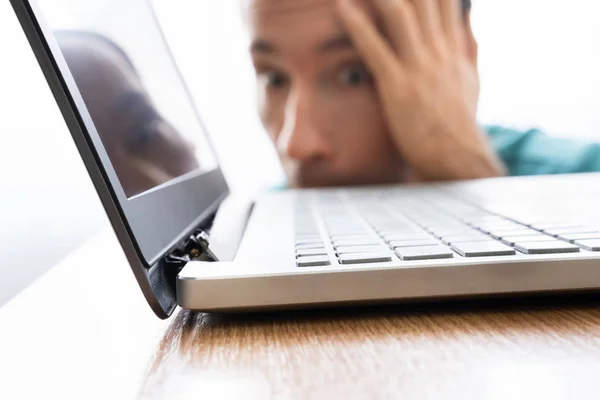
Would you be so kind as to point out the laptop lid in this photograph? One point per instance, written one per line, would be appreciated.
(132, 118)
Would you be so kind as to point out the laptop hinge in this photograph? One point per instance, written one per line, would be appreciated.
(196, 248)
(225, 227)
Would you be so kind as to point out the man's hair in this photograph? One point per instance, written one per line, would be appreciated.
(66, 38)
(466, 5)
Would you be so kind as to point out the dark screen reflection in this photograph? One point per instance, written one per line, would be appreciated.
(144, 148)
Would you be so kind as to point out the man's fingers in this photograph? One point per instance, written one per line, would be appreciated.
(374, 49)
(428, 14)
(471, 42)
(451, 15)
(402, 26)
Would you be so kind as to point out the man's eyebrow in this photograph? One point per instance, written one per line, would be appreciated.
(262, 46)
(340, 42)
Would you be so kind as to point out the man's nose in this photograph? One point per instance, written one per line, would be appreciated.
(303, 136)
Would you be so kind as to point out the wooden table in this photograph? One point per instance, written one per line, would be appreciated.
(84, 331)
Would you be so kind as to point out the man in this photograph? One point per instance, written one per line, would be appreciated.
(145, 150)
(385, 91)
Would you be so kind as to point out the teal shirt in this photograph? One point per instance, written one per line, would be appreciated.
(535, 153)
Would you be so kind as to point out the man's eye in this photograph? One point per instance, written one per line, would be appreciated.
(275, 79)
(354, 76)
(142, 135)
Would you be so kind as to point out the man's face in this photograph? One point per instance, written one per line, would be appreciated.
(317, 100)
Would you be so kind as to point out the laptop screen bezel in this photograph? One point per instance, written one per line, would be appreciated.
(162, 217)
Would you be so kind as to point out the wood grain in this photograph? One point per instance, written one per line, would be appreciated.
(84, 331)
(539, 349)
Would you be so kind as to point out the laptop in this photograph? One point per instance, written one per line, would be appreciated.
(190, 243)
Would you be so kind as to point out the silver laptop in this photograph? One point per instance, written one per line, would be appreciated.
(189, 243)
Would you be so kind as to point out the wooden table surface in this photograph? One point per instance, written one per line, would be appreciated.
(84, 331)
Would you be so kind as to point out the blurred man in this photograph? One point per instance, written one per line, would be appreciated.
(385, 91)
(143, 147)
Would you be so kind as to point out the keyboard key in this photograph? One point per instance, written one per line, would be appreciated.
(413, 243)
(510, 241)
(359, 249)
(340, 218)
(365, 258)
(499, 224)
(484, 220)
(397, 232)
(310, 246)
(457, 232)
(455, 226)
(311, 252)
(553, 247)
(551, 226)
(505, 226)
(305, 224)
(538, 221)
(308, 238)
(394, 227)
(566, 231)
(365, 242)
(344, 222)
(572, 237)
(343, 232)
(351, 237)
(309, 242)
(483, 249)
(499, 234)
(437, 222)
(422, 253)
(345, 227)
(407, 237)
(448, 240)
(313, 261)
(306, 231)
(589, 245)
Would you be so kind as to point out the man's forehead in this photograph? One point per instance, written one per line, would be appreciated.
(284, 19)
(265, 14)
(280, 10)
(260, 12)
(288, 6)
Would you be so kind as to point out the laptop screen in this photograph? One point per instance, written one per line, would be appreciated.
(131, 117)
(132, 90)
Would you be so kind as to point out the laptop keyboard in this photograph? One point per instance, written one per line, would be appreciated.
(334, 228)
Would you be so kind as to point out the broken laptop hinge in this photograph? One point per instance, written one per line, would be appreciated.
(196, 248)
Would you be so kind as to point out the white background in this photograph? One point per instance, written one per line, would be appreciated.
(539, 64)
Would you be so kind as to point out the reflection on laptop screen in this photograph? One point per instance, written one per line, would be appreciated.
(132, 90)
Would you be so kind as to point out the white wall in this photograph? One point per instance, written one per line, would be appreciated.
(47, 203)
(539, 63)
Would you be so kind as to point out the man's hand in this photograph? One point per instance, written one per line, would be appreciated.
(428, 84)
